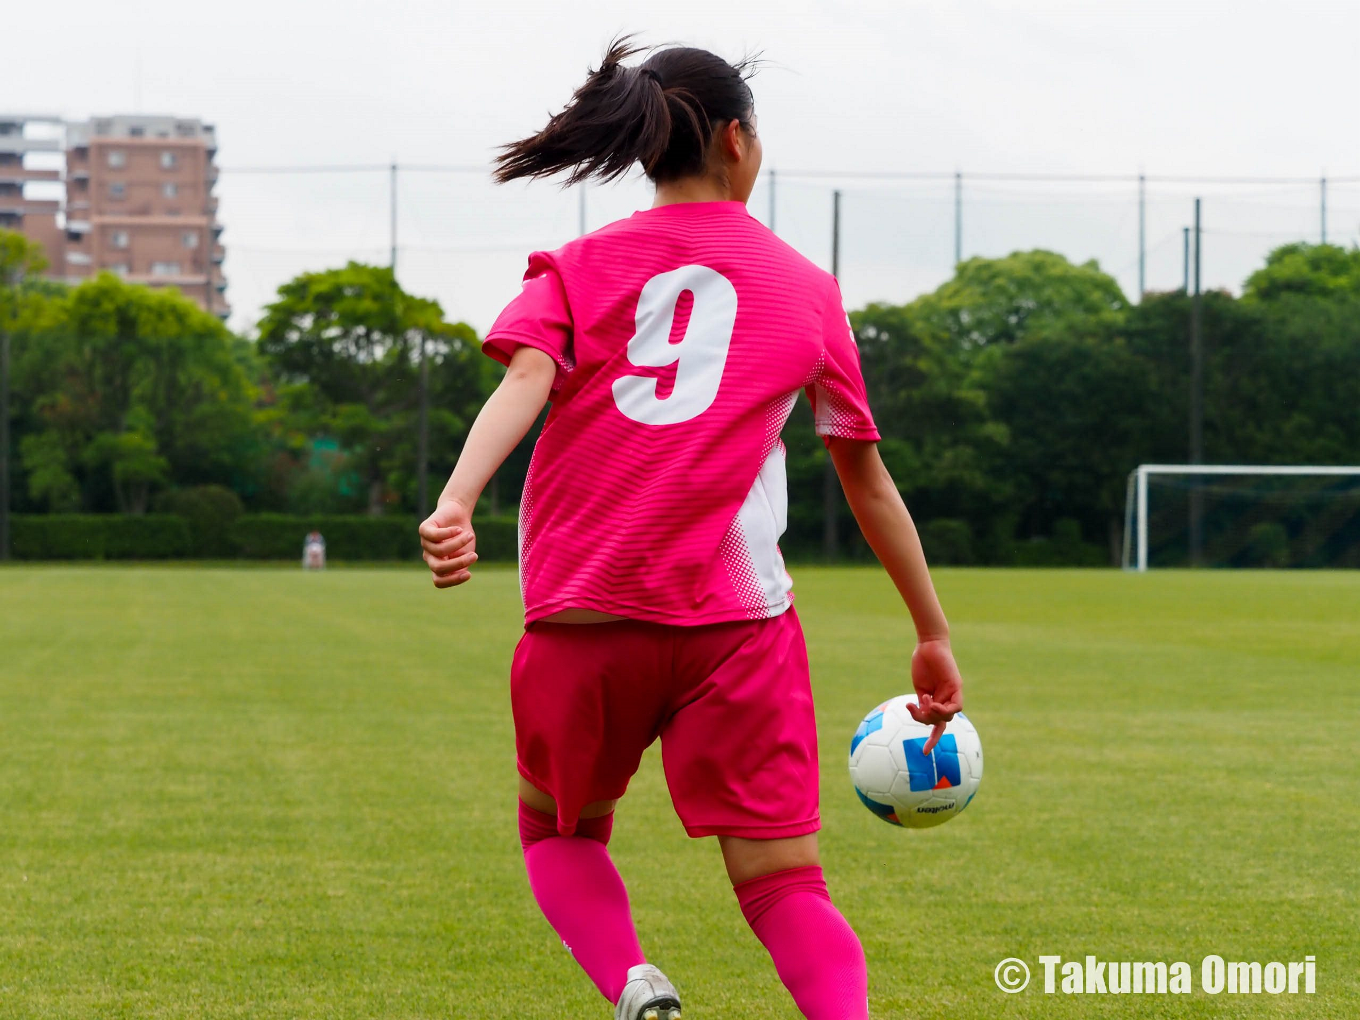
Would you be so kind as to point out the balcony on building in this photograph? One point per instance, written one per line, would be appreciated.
(190, 282)
(17, 145)
(21, 206)
(22, 175)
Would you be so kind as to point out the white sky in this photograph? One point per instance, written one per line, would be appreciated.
(1234, 88)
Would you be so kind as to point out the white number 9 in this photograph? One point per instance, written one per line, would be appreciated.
(699, 357)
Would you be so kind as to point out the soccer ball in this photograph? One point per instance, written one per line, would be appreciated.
(901, 785)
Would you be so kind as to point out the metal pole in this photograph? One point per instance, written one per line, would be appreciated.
(392, 226)
(4, 443)
(1125, 559)
(1324, 210)
(772, 183)
(958, 217)
(11, 285)
(1197, 402)
(831, 494)
(1142, 236)
(207, 231)
(423, 437)
(1142, 520)
(836, 234)
(582, 210)
(1185, 261)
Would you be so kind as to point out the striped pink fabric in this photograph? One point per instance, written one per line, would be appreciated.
(682, 336)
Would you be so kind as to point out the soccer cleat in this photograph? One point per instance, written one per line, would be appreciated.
(647, 996)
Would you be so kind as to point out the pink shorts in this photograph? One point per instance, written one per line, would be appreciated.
(731, 702)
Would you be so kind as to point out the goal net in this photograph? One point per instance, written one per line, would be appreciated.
(1223, 515)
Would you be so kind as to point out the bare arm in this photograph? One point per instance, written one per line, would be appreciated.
(891, 534)
(446, 537)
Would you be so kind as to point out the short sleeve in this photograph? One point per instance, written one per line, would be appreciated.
(840, 403)
(539, 317)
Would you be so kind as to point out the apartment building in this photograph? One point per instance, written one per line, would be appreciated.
(138, 202)
(31, 149)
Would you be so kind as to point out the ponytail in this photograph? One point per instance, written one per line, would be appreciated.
(661, 114)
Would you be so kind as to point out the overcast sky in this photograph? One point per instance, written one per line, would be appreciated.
(1234, 88)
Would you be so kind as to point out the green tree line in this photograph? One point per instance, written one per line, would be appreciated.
(1013, 400)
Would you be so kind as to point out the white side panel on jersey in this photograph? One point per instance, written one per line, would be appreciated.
(762, 518)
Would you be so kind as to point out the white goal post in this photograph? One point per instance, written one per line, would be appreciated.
(1136, 500)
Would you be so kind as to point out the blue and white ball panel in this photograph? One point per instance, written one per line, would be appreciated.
(902, 785)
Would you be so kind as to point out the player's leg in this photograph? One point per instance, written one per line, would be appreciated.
(578, 741)
(741, 761)
(746, 859)
(578, 888)
(783, 897)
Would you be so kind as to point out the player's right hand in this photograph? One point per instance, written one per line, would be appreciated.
(939, 688)
(448, 544)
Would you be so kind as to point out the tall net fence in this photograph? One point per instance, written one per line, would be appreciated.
(462, 240)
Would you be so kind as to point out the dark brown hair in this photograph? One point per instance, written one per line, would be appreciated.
(661, 113)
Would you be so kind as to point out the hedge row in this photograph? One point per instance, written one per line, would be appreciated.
(350, 537)
(950, 542)
(98, 537)
(249, 536)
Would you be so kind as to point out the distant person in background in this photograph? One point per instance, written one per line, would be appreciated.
(672, 345)
(313, 551)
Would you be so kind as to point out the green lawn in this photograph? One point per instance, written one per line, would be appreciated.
(265, 794)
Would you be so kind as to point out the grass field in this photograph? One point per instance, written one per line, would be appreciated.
(258, 793)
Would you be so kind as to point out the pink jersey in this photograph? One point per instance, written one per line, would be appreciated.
(682, 336)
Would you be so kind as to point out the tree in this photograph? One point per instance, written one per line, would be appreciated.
(344, 345)
(1313, 270)
(940, 442)
(931, 367)
(20, 261)
(127, 389)
(1005, 300)
(1074, 408)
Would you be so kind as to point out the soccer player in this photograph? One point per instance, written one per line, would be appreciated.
(672, 346)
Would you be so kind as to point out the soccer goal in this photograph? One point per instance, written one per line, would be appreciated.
(1242, 515)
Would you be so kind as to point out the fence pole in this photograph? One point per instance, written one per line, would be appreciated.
(4, 442)
(1142, 236)
(958, 217)
(392, 211)
(1324, 210)
(836, 234)
(772, 183)
(1185, 261)
(209, 242)
(1197, 402)
(831, 485)
(581, 210)
(423, 431)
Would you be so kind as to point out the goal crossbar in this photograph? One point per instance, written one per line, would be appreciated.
(1136, 498)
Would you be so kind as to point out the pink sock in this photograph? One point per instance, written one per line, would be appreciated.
(816, 953)
(582, 896)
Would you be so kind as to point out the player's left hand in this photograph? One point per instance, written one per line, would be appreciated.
(939, 687)
(449, 544)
